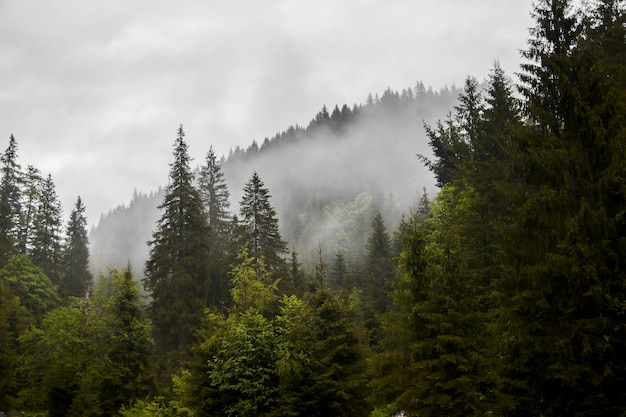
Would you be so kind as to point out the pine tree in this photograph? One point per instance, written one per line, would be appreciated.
(177, 269)
(214, 193)
(9, 304)
(391, 369)
(77, 278)
(244, 368)
(548, 75)
(31, 197)
(468, 113)
(436, 357)
(9, 200)
(252, 286)
(260, 223)
(447, 270)
(128, 340)
(333, 382)
(567, 339)
(321, 267)
(47, 250)
(297, 279)
(339, 271)
(379, 269)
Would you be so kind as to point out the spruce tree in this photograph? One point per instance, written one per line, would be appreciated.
(455, 141)
(214, 193)
(444, 302)
(177, 268)
(31, 197)
(260, 224)
(391, 371)
(9, 304)
(567, 339)
(333, 380)
(378, 266)
(339, 271)
(128, 341)
(296, 277)
(9, 200)
(77, 278)
(46, 245)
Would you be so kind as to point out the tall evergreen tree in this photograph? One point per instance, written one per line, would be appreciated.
(47, 250)
(128, 340)
(9, 200)
(177, 269)
(77, 278)
(333, 380)
(454, 142)
(88, 358)
(31, 197)
(568, 269)
(214, 193)
(8, 353)
(259, 220)
(379, 269)
(339, 271)
(296, 277)
(436, 357)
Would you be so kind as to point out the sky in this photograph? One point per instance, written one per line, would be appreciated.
(94, 91)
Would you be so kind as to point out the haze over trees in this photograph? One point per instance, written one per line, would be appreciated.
(504, 295)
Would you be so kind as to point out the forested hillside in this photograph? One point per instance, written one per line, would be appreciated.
(503, 294)
(326, 179)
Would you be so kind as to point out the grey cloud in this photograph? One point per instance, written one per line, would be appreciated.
(94, 91)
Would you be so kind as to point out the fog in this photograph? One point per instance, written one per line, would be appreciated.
(94, 90)
(326, 184)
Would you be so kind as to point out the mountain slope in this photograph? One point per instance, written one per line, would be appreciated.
(326, 180)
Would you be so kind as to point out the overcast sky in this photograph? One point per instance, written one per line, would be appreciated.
(94, 90)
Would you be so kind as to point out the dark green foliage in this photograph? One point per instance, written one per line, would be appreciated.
(31, 200)
(568, 269)
(59, 365)
(332, 380)
(391, 385)
(321, 271)
(378, 266)
(296, 279)
(339, 271)
(35, 291)
(260, 225)
(506, 297)
(13, 318)
(214, 193)
(90, 357)
(252, 285)
(436, 358)
(77, 278)
(177, 269)
(303, 358)
(244, 369)
(129, 344)
(46, 245)
(9, 200)
(454, 141)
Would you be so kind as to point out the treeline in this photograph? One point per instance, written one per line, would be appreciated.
(411, 101)
(319, 197)
(32, 230)
(504, 295)
(44, 264)
(512, 290)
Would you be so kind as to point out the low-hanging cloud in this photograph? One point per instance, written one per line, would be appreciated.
(94, 91)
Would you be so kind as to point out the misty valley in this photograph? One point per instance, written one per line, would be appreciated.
(452, 252)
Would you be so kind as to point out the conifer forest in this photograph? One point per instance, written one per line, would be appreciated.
(498, 291)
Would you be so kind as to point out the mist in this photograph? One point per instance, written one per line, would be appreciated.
(326, 182)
